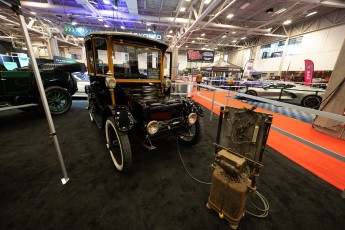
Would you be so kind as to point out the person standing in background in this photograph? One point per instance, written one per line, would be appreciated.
(198, 81)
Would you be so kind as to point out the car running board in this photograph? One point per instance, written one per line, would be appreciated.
(9, 107)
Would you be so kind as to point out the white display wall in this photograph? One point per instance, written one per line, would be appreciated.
(322, 47)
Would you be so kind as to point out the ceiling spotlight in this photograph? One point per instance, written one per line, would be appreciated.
(223, 36)
(186, 46)
(107, 2)
(106, 25)
(123, 27)
(269, 11)
(171, 31)
(100, 19)
(74, 23)
(206, 45)
(229, 16)
(149, 29)
(193, 41)
(287, 22)
(216, 48)
(243, 38)
(203, 34)
(233, 32)
(234, 41)
(280, 11)
(312, 13)
(183, 9)
(187, 0)
(207, 2)
(34, 13)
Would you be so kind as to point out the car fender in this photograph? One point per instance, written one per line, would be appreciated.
(193, 107)
(124, 120)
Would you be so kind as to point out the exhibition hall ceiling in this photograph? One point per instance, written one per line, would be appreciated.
(197, 24)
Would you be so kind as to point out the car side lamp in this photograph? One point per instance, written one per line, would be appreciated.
(166, 85)
(110, 82)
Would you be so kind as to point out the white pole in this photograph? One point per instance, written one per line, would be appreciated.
(40, 88)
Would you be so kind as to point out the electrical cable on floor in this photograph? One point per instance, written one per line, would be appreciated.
(184, 165)
(265, 203)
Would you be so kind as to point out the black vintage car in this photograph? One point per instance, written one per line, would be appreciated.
(129, 93)
(18, 88)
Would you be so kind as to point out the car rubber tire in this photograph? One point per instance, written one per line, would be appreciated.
(118, 142)
(59, 100)
(91, 117)
(311, 101)
(251, 92)
(198, 135)
(91, 105)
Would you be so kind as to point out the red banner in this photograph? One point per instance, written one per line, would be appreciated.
(308, 72)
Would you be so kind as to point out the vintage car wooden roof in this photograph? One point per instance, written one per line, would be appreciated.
(128, 37)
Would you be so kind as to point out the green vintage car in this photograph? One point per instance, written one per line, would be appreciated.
(18, 88)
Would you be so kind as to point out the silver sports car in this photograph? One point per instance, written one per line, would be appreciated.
(290, 93)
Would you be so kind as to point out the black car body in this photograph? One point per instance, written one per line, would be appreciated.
(128, 93)
(18, 88)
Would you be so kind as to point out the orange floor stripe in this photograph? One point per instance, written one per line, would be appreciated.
(322, 165)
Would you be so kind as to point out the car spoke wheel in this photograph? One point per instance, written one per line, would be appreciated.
(193, 134)
(311, 101)
(59, 100)
(118, 145)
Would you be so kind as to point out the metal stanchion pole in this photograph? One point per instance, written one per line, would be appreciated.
(17, 10)
(227, 98)
(196, 93)
(214, 94)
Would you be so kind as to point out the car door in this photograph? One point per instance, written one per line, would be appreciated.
(270, 92)
(16, 83)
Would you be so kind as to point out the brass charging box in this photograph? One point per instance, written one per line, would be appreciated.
(241, 138)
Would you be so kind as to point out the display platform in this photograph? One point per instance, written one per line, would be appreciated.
(156, 194)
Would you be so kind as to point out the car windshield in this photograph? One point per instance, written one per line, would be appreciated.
(132, 62)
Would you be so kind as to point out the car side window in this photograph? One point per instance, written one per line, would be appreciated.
(102, 65)
(90, 55)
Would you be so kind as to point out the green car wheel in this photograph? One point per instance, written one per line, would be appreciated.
(59, 100)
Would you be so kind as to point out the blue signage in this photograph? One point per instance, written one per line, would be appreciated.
(63, 60)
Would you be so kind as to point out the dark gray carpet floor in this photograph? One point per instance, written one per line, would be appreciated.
(156, 194)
